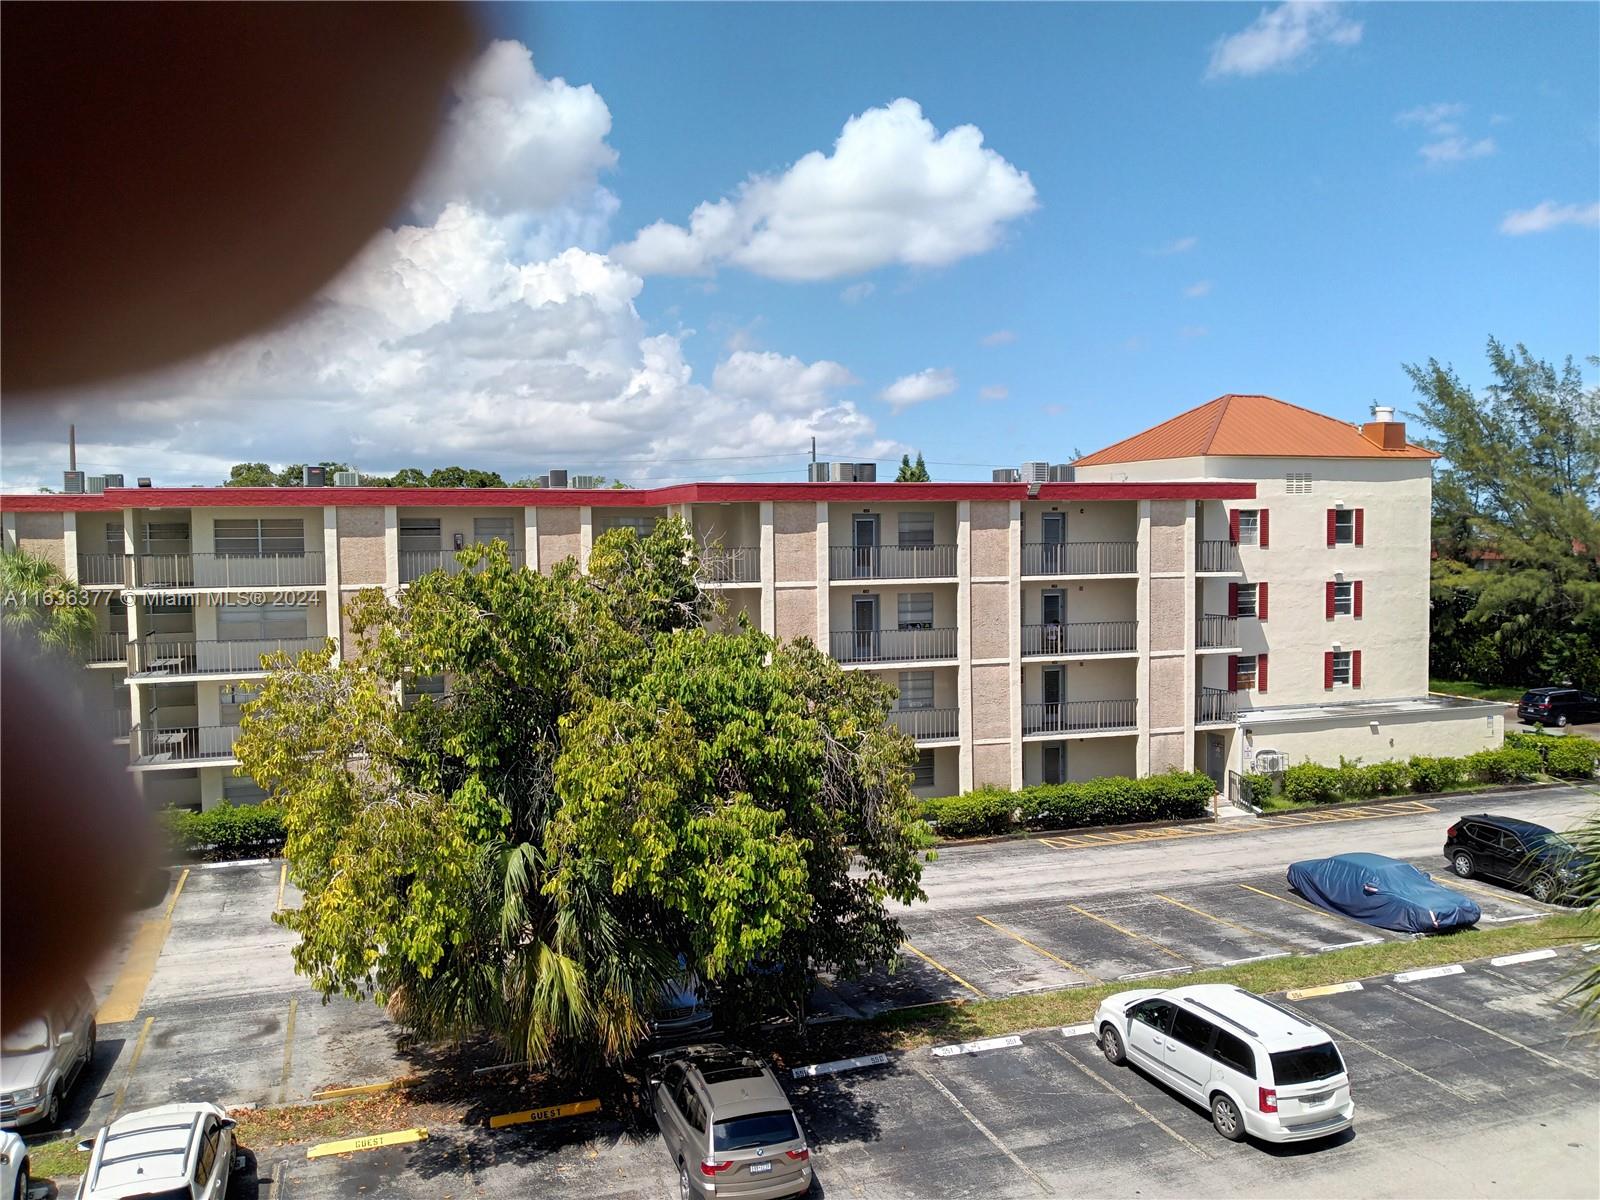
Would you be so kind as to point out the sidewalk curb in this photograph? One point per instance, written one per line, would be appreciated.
(1465, 794)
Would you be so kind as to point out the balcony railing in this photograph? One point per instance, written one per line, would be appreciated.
(1080, 558)
(1216, 556)
(1080, 637)
(100, 569)
(1213, 632)
(414, 564)
(737, 564)
(891, 562)
(1215, 704)
(109, 648)
(228, 570)
(156, 657)
(892, 645)
(1080, 716)
(187, 744)
(927, 724)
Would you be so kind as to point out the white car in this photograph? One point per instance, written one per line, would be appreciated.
(14, 1181)
(172, 1152)
(1260, 1068)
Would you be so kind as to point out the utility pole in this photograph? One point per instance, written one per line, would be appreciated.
(813, 451)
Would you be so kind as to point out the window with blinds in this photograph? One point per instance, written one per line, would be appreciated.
(261, 622)
(922, 775)
(419, 534)
(253, 537)
(916, 610)
(166, 537)
(916, 529)
(418, 686)
(241, 789)
(643, 526)
(114, 540)
(234, 697)
(916, 689)
(489, 529)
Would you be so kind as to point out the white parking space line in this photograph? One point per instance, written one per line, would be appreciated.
(1506, 960)
(988, 1133)
(1322, 1021)
(1347, 945)
(1330, 989)
(1128, 1100)
(995, 1043)
(1077, 1030)
(838, 1066)
(1430, 973)
(1539, 1054)
(1153, 974)
(1501, 920)
(1239, 962)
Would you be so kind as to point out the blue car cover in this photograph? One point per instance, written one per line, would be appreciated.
(1382, 891)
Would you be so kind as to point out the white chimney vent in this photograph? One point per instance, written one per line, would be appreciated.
(1383, 412)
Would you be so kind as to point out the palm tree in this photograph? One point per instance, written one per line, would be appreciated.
(40, 602)
(1586, 893)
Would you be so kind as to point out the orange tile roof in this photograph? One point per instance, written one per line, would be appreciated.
(1249, 427)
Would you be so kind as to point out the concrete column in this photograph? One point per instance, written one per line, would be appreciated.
(8, 523)
(391, 551)
(331, 577)
(1014, 639)
(1141, 754)
(964, 638)
(769, 571)
(1191, 621)
(585, 536)
(69, 545)
(824, 593)
(530, 537)
(135, 606)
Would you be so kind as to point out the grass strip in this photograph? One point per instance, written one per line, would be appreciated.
(1476, 691)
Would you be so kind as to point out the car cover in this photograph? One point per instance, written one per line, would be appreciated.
(1382, 891)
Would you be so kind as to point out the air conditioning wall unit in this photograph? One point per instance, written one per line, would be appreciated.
(1269, 761)
(347, 479)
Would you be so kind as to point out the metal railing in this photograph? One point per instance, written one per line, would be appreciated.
(227, 570)
(101, 569)
(891, 562)
(1080, 558)
(1215, 704)
(927, 724)
(1213, 632)
(892, 645)
(185, 744)
(155, 657)
(414, 564)
(1080, 716)
(1216, 556)
(1080, 637)
(109, 648)
(736, 564)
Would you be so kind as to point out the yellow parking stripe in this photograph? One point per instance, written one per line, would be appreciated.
(283, 878)
(1138, 937)
(362, 1089)
(127, 1076)
(1256, 933)
(176, 892)
(1286, 900)
(937, 965)
(371, 1142)
(1040, 949)
(127, 994)
(553, 1112)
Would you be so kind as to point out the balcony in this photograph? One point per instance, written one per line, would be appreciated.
(414, 564)
(738, 564)
(1216, 633)
(1080, 716)
(191, 744)
(1080, 637)
(1080, 558)
(164, 657)
(1214, 705)
(891, 562)
(892, 645)
(927, 724)
(1220, 557)
(179, 571)
(101, 570)
(108, 648)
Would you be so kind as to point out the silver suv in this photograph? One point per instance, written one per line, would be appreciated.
(42, 1058)
(728, 1125)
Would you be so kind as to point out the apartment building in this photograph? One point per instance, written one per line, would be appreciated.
(1247, 578)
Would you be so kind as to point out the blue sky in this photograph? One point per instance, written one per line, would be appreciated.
(1284, 199)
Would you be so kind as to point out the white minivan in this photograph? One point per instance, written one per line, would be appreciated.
(1260, 1068)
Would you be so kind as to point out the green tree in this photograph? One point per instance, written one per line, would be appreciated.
(912, 472)
(1516, 584)
(607, 785)
(408, 477)
(470, 477)
(257, 474)
(42, 604)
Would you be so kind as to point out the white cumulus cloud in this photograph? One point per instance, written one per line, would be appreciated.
(1456, 149)
(1441, 122)
(894, 191)
(1283, 37)
(994, 391)
(1542, 218)
(925, 385)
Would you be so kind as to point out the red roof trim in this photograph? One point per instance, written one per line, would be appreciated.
(685, 493)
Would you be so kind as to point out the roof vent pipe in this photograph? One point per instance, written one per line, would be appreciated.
(1382, 412)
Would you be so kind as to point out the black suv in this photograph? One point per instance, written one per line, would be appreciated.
(1528, 856)
(1557, 706)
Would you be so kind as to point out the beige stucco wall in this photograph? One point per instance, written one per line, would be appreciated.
(559, 536)
(991, 766)
(1398, 735)
(180, 789)
(841, 531)
(946, 773)
(1167, 699)
(604, 519)
(1087, 758)
(990, 538)
(795, 612)
(733, 526)
(1094, 679)
(794, 543)
(1167, 521)
(730, 603)
(361, 545)
(1166, 614)
(1087, 521)
(991, 701)
(989, 619)
(43, 535)
(1166, 752)
(840, 604)
(1091, 600)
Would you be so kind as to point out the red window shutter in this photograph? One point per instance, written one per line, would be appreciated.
(1233, 599)
(1356, 602)
(1328, 594)
(1333, 526)
(1261, 528)
(1233, 526)
(1261, 601)
(1233, 672)
(1261, 672)
(1327, 671)
(1355, 668)
(1361, 521)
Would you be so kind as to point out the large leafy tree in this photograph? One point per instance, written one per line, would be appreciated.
(606, 785)
(42, 604)
(1516, 584)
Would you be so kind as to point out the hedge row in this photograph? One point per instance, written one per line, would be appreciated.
(226, 832)
(1567, 757)
(1175, 796)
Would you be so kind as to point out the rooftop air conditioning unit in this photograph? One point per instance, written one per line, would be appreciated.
(72, 482)
(1035, 472)
(144, 481)
(114, 481)
(586, 481)
(817, 472)
(543, 481)
(347, 479)
(855, 472)
(1006, 475)
(558, 479)
(1063, 473)
(97, 484)
(313, 476)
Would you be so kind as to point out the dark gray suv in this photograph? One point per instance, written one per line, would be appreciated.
(728, 1125)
